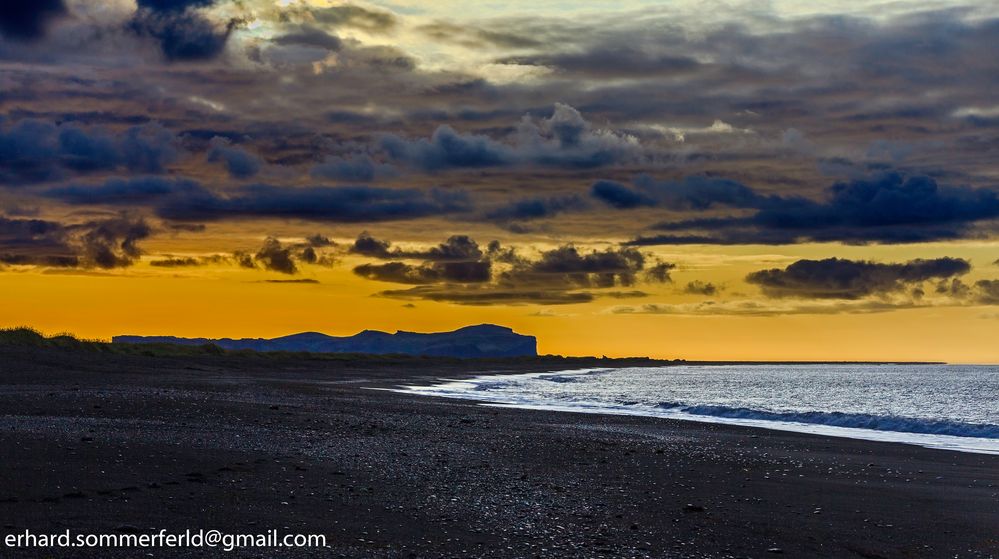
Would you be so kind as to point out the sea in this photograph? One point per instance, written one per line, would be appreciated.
(953, 407)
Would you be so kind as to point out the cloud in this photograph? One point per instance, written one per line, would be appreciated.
(694, 193)
(536, 208)
(35, 242)
(619, 195)
(273, 256)
(459, 271)
(285, 258)
(476, 37)
(987, 292)
(698, 287)
(490, 296)
(309, 255)
(104, 243)
(360, 168)
(434, 272)
(566, 267)
(187, 200)
(457, 260)
(835, 278)
(563, 140)
(610, 61)
(112, 243)
(240, 163)
(300, 280)
(660, 272)
(319, 241)
(33, 150)
(173, 5)
(191, 261)
(181, 32)
(367, 245)
(750, 308)
(885, 208)
(310, 37)
(455, 248)
(344, 15)
(320, 203)
(130, 191)
(176, 262)
(26, 20)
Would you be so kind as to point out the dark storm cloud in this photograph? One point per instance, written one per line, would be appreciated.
(446, 148)
(273, 256)
(619, 195)
(565, 139)
(455, 248)
(26, 19)
(187, 200)
(190, 261)
(113, 243)
(359, 168)
(347, 204)
(428, 273)
(176, 262)
(457, 260)
(987, 292)
(367, 245)
(308, 255)
(660, 272)
(758, 309)
(173, 5)
(536, 208)
(34, 150)
(460, 271)
(319, 241)
(567, 267)
(476, 37)
(698, 287)
(793, 98)
(130, 191)
(240, 163)
(489, 296)
(35, 241)
(182, 33)
(695, 193)
(345, 15)
(310, 37)
(885, 208)
(835, 278)
(104, 243)
(299, 281)
(610, 61)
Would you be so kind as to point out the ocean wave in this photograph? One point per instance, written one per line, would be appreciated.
(484, 386)
(854, 420)
(561, 378)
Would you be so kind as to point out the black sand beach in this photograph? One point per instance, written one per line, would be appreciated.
(128, 444)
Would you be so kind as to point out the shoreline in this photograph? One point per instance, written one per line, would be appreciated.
(953, 443)
(107, 443)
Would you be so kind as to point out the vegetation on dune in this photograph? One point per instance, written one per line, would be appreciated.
(29, 337)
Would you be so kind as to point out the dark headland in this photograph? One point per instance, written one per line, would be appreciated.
(483, 340)
(126, 438)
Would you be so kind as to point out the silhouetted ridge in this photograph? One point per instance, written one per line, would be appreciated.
(483, 340)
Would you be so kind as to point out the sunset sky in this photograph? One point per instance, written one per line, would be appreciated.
(681, 179)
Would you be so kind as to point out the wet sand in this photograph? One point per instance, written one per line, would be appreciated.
(119, 444)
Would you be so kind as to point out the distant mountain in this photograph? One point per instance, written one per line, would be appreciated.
(484, 340)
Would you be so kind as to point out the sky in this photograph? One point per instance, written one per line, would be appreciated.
(776, 180)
